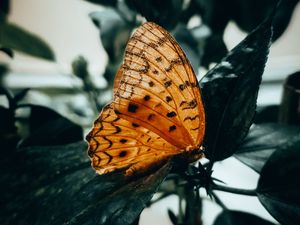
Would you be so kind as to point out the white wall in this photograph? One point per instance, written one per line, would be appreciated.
(65, 25)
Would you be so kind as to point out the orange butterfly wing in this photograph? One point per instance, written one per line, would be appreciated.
(159, 90)
(157, 111)
(115, 143)
(117, 80)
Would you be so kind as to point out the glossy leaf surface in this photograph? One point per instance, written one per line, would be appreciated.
(278, 186)
(230, 90)
(262, 141)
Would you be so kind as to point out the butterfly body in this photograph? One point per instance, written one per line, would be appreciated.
(157, 111)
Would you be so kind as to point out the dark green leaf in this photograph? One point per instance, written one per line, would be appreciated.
(172, 217)
(80, 67)
(214, 50)
(215, 14)
(32, 168)
(229, 92)
(242, 13)
(7, 51)
(47, 127)
(189, 10)
(112, 3)
(289, 110)
(16, 38)
(262, 141)
(189, 45)
(7, 120)
(137, 221)
(124, 204)
(278, 185)
(56, 185)
(8, 94)
(266, 114)
(3, 71)
(232, 217)
(115, 33)
(4, 10)
(165, 13)
(127, 14)
(20, 95)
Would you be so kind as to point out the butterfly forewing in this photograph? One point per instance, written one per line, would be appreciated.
(158, 88)
(117, 80)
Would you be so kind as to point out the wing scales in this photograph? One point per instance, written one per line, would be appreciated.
(155, 66)
(115, 143)
(157, 111)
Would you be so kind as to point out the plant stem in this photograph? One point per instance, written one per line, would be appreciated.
(191, 205)
(250, 192)
(218, 201)
(164, 195)
(180, 196)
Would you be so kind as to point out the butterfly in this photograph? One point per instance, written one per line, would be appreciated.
(156, 112)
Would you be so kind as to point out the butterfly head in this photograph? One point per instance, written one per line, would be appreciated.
(193, 153)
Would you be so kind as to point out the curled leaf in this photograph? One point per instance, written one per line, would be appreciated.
(278, 185)
(56, 185)
(232, 217)
(262, 141)
(16, 38)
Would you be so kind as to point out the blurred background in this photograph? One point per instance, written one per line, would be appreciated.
(69, 27)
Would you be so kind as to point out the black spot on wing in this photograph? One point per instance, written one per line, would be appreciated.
(117, 112)
(122, 154)
(155, 72)
(169, 68)
(158, 59)
(135, 125)
(168, 98)
(168, 83)
(172, 128)
(146, 97)
(182, 87)
(171, 114)
(123, 140)
(151, 116)
(151, 83)
(132, 108)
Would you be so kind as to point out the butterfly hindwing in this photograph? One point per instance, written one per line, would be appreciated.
(115, 143)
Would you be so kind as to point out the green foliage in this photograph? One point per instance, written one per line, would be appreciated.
(59, 187)
(13, 37)
(16, 38)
